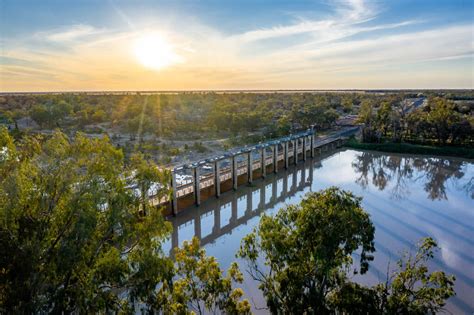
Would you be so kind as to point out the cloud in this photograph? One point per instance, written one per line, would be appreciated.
(347, 14)
(328, 55)
(72, 33)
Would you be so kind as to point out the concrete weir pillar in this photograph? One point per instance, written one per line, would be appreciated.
(275, 158)
(235, 177)
(174, 197)
(250, 168)
(263, 163)
(286, 154)
(311, 138)
(304, 148)
(295, 150)
(217, 178)
(197, 186)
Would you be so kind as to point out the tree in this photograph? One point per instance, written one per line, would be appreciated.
(200, 285)
(40, 114)
(383, 117)
(149, 180)
(367, 117)
(60, 110)
(410, 289)
(442, 116)
(347, 104)
(80, 240)
(73, 230)
(307, 250)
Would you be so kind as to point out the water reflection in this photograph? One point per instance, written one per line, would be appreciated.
(236, 208)
(432, 173)
(407, 197)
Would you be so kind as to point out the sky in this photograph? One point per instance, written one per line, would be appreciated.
(95, 45)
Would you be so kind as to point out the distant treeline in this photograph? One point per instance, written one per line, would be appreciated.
(183, 114)
(438, 121)
(168, 115)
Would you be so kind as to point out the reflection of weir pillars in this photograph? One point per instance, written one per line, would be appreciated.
(238, 166)
(214, 207)
(217, 179)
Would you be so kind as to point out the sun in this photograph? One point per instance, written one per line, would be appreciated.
(155, 52)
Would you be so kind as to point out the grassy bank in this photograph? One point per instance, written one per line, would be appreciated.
(412, 148)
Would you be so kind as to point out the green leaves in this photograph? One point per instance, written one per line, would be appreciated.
(307, 252)
(81, 239)
(412, 289)
(200, 285)
(307, 248)
(200, 281)
(72, 227)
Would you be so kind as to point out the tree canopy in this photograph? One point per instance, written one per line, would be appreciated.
(441, 122)
(307, 248)
(76, 236)
(303, 256)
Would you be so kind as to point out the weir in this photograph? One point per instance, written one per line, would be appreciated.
(256, 198)
(243, 165)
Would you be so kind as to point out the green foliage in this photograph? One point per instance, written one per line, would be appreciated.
(73, 230)
(200, 285)
(307, 255)
(347, 104)
(440, 122)
(307, 249)
(184, 113)
(411, 289)
(82, 236)
(50, 114)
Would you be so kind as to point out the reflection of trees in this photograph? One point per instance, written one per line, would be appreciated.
(437, 171)
(469, 187)
(383, 170)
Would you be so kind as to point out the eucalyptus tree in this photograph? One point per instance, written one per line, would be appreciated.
(307, 250)
(302, 258)
(75, 236)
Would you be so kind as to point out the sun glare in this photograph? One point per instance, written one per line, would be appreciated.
(154, 52)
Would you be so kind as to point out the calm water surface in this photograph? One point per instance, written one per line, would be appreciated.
(408, 197)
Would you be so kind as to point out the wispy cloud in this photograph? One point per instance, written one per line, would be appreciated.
(71, 33)
(347, 14)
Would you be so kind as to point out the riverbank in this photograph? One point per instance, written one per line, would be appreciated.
(467, 153)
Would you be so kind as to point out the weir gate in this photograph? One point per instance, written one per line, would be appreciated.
(191, 183)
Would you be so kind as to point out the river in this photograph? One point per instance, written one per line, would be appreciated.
(408, 197)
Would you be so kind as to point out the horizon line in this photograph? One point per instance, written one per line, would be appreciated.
(231, 90)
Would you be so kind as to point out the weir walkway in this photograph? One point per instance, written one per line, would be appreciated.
(220, 216)
(210, 177)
